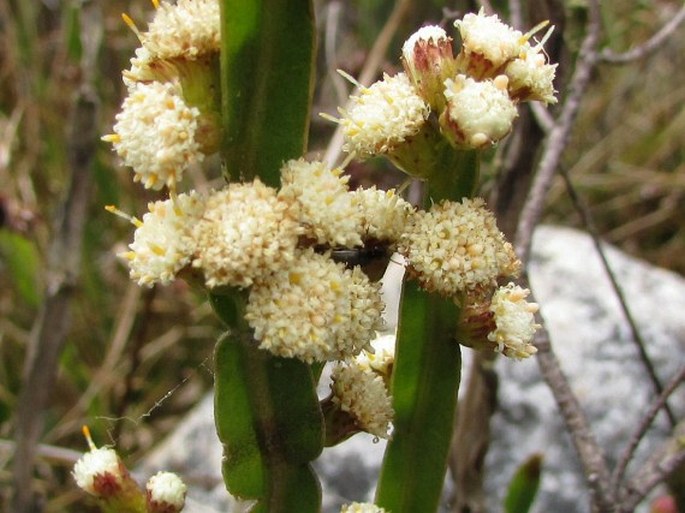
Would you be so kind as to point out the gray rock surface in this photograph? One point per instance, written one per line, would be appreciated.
(592, 341)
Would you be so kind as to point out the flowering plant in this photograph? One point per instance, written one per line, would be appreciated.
(283, 248)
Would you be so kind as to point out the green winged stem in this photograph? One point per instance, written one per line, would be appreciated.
(266, 409)
(425, 383)
(268, 418)
(427, 371)
(267, 55)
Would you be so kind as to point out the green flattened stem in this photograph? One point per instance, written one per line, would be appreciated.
(424, 387)
(268, 419)
(524, 486)
(427, 369)
(267, 413)
(267, 55)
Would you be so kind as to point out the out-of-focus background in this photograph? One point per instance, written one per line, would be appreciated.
(135, 360)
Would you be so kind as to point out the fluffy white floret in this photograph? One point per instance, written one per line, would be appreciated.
(166, 492)
(515, 321)
(479, 113)
(155, 134)
(383, 116)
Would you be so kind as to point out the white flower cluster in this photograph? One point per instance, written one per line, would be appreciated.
(157, 130)
(166, 493)
(363, 394)
(473, 94)
(101, 473)
(456, 247)
(515, 321)
(301, 303)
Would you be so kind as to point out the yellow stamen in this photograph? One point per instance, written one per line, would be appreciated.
(86, 433)
(351, 79)
(111, 138)
(537, 28)
(328, 117)
(155, 4)
(131, 24)
(133, 220)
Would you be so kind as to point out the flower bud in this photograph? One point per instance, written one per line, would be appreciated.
(166, 493)
(487, 45)
(478, 114)
(101, 473)
(428, 61)
(531, 77)
(504, 322)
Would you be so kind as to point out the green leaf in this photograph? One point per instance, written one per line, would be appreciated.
(524, 486)
(425, 384)
(267, 57)
(268, 418)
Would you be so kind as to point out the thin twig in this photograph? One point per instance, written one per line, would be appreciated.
(62, 455)
(542, 116)
(665, 460)
(589, 451)
(558, 137)
(516, 14)
(649, 46)
(330, 36)
(642, 428)
(636, 336)
(370, 69)
(52, 324)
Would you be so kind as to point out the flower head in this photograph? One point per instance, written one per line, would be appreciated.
(383, 116)
(162, 245)
(155, 134)
(427, 59)
(478, 114)
(246, 233)
(100, 472)
(379, 358)
(187, 29)
(487, 44)
(456, 247)
(315, 310)
(384, 213)
(166, 493)
(326, 207)
(362, 393)
(515, 322)
(531, 77)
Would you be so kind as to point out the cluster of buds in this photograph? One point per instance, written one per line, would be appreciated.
(469, 100)
(464, 102)
(101, 473)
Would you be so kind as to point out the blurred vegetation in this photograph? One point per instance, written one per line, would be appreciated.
(137, 359)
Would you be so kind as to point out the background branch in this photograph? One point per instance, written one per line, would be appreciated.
(636, 336)
(50, 329)
(558, 137)
(649, 46)
(642, 428)
(665, 460)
